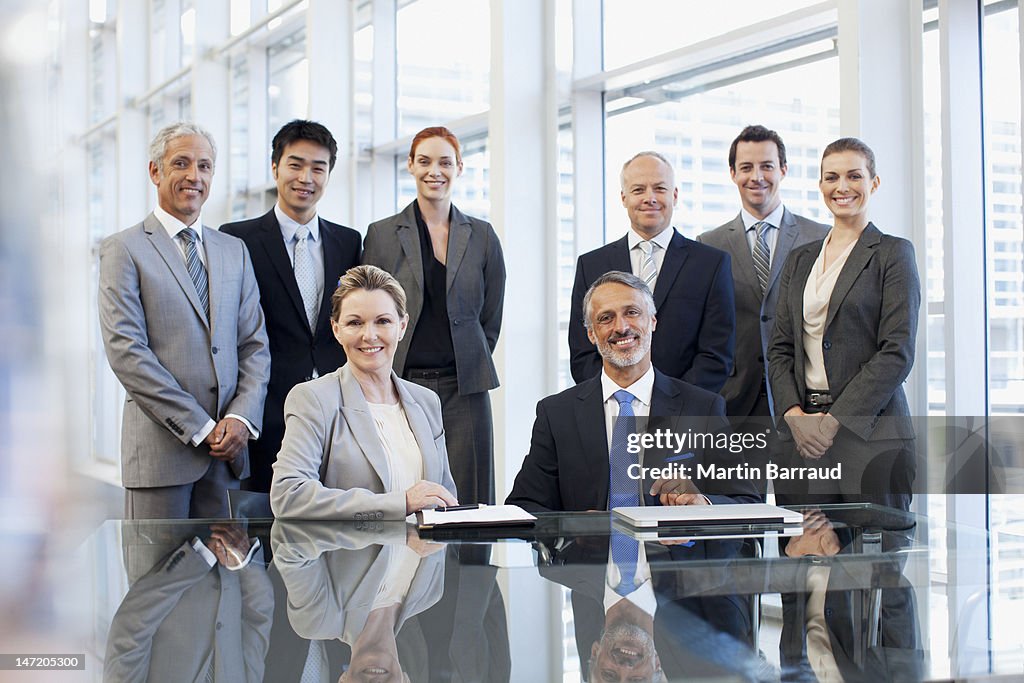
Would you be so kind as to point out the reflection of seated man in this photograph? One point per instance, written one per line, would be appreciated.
(818, 640)
(201, 613)
(632, 618)
(356, 586)
(570, 465)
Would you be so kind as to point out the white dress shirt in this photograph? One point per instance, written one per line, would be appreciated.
(771, 236)
(659, 244)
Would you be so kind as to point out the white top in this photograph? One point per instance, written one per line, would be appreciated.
(641, 390)
(405, 462)
(173, 226)
(642, 595)
(659, 243)
(817, 293)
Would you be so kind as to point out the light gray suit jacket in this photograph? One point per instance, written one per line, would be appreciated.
(476, 288)
(332, 464)
(869, 337)
(333, 575)
(755, 315)
(179, 369)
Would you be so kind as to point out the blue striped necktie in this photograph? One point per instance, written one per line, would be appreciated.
(196, 269)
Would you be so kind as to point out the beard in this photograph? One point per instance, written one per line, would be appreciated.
(624, 359)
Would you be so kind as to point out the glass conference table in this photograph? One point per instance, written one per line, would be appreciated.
(865, 593)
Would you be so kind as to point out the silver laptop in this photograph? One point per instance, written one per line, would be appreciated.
(741, 514)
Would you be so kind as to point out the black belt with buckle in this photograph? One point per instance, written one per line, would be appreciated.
(818, 399)
(438, 373)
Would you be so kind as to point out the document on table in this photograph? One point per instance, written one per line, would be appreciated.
(478, 516)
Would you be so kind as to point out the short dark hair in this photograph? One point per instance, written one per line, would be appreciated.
(300, 129)
(757, 134)
(851, 145)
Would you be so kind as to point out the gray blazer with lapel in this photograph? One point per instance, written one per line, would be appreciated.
(332, 464)
(869, 336)
(179, 369)
(755, 315)
(476, 288)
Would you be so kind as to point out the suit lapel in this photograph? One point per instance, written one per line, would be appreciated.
(594, 440)
(409, 237)
(666, 402)
(277, 253)
(675, 257)
(357, 416)
(783, 245)
(862, 252)
(332, 271)
(421, 430)
(214, 272)
(459, 232)
(742, 260)
(171, 255)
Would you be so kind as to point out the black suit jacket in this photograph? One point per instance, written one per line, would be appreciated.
(294, 350)
(696, 328)
(567, 466)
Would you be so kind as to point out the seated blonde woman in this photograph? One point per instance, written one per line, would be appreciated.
(361, 443)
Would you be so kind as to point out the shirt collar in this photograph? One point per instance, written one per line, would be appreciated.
(642, 389)
(173, 226)
(662, 239)
(773, 219)
(289, 226)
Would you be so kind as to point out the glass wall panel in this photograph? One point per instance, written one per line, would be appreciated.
(287, 81)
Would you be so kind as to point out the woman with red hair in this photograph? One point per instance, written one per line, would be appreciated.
(452, 269)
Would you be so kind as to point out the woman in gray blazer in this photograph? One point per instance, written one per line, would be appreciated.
(844, 339)
(360, 443)
(452, 269)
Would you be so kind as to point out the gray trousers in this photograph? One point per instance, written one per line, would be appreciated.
(469, 437)
(206, 498)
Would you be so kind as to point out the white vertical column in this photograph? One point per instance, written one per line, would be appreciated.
(211, 100)
(885, 37)
(588, 127)
(329, 51)
(385, 111)
(966, 337)
(523, 151)
(131, 159)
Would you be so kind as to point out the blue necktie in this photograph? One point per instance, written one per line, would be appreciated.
(196, 269)
(623, 491)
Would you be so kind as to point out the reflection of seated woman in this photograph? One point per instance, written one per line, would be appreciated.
(360, 443)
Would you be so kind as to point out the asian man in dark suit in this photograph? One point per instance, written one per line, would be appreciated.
(184, 333)
(759, 239)
(577, 459)
(691, 282)
(298, 258)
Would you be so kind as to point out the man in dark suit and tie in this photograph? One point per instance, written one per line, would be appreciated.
(578, 458)
(182, 327)
(298, 258)
(759, 239)
(692, 283)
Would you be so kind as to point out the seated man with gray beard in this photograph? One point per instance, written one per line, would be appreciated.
(575, 465)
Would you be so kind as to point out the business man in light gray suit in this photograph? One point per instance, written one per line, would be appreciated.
(184, 333)
(757, 164)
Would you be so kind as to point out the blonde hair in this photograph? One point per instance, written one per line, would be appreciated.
(368, 278)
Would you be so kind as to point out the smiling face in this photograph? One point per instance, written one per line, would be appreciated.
(649, 195)
(301, 175)
(183, 179)
(624, 653)
(621, 325)
(434, 164)
(758, 174)
(369, 328)
(846, 186)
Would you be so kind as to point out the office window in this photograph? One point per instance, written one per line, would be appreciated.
(287, 81)
(443, 62)
(637, 30)
(786, 101)
(239, 160)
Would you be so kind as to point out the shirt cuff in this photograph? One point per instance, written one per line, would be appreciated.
(253, 432)
(200, 436)
(203, 551)
(252, 551)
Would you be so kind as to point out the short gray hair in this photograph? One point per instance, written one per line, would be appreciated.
(179, 129)
(622, 278)
(648, 153)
